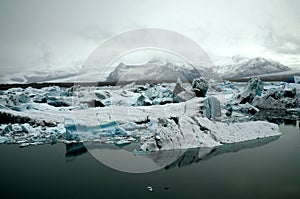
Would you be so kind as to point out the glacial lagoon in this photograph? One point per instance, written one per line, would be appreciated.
(265, 168)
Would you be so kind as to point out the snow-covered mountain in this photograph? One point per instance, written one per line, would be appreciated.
(241, 67)
(250, 67)
(158, 71)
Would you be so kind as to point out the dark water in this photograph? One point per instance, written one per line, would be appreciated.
(265, 169)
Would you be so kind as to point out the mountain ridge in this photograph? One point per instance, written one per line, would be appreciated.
(157, 70)
(251, 67)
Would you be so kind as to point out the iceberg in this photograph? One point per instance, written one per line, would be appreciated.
(212, 107)
(202, 132)
(256, 97)
(143, 100)
(182, 94)
(155, 94)
(178, 87)
(279, 98)
(157, 117)
(253, 88)
(297, 79)
(200, 86)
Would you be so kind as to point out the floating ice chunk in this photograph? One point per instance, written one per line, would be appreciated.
(181, 93)
(185, 134)
(202, 132)
(30, 90)
(200, 86)
(102, 94)
(212, 108)
(253, 88)
(122, 98)
(162, 101)
(289, 92)
(23, 98)
(122, 142)
(39, 98)
(130, 85)
(143, 100)
(229, 109)
(246, 108)
(153, 92)
(4, 139)
(297, 79)
(58, 130)
(238, 132)
(186, 95)
(14, 90)
(12, 128)
(27, 128)
(58, 103)
(230, 86)
(131, 126)
(194, 135)
(178, 87)
(72, 135)
(149, 188)
(12, 100)
(52, 91)
(278, 98)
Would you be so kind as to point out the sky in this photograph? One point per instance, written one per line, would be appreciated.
(61, 34)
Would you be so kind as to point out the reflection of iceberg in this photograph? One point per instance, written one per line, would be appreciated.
(124, 160)
(279, 116)
(195, 155)
(73, 150)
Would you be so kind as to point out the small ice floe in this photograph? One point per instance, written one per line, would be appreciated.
(149, 188)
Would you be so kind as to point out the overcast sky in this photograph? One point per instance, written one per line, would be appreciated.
(58, 34)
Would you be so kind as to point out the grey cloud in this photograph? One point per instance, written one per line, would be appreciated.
(46, 56)
(57, 33)
(281, 41)
(93, 33)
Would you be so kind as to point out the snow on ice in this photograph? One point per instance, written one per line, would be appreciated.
(160, 116)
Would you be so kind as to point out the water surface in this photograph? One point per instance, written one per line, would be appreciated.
(269, 170)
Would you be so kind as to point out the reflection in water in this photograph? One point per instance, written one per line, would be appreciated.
(195, 155)
(280, 117)
(126, 159)
(171, 158)
(269, 171)
(290, 122)
(73, 150)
